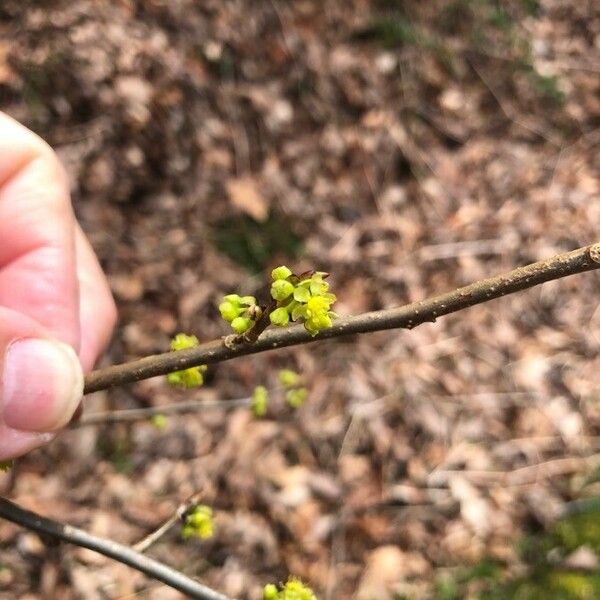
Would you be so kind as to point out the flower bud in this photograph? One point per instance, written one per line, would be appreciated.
(280, 273)
(241, 324)
(281, 289)
(280, 317)
(270, 592)
(229, 311)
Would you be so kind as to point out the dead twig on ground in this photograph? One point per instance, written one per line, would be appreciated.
(139, 414)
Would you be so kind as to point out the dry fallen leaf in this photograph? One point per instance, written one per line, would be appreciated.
(7, 75)
(244, 195)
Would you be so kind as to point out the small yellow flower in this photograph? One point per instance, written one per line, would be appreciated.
(188, 378)
(199, 523)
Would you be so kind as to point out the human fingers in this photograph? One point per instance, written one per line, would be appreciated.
(97, 310)
(41, 379)
(41, 383)
(37, 228)
(14, 443)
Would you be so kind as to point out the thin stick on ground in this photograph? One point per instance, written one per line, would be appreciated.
(407, 317)
(177, 516)
(119, 552)
(139, 414)
(523, 476)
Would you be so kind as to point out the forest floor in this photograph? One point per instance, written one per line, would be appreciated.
(405, 147)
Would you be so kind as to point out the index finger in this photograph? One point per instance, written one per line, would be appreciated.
(37, 229)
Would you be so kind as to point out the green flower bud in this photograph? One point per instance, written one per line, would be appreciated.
(159, 422)
(270, 592)
(296, 397)
(241, 324)
(294, 589)
(280, 317)
(281, 289)
(288, 378)
(280, 273)
(229, 311)
(183, 341)
(187, 378)
(260, 400)
(191, 377)
(187, 532)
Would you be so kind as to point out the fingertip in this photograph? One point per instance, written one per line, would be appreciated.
(37, 228)
(15, 443)
(42, 385)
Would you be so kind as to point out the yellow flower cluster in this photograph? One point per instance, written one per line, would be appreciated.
(294, 589)
(188, 378)
(199, 523)
(239, 311)
(305, 299)
(296, 393)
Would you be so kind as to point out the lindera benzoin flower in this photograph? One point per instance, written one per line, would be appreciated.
(240, 312)
(293, 589)
(159, 422)
(188, 378)
(305, 298)
(301, 298)
(296, 393)
(260, 401)
(199, 523)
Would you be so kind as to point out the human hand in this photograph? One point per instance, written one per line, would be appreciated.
(56, 310)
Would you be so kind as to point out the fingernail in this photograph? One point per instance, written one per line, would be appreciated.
(42, 384)
(15, 443)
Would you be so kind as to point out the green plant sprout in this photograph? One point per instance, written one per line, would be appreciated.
(199, 523)
(260, 401)
(294, 589)
(188, 378)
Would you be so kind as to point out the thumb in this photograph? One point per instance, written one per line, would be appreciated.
(41, 380)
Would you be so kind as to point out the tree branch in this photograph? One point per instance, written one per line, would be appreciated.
(407, 317)
(123, 554)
